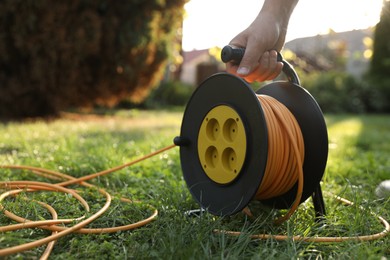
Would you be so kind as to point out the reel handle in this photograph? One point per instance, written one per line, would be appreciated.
(235, 54)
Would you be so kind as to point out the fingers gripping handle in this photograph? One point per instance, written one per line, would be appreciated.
(235, 54)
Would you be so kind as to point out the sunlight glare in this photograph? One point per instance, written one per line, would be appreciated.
(210, 23)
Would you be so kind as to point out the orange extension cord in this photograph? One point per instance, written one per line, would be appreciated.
(60, 231)
(282, 172)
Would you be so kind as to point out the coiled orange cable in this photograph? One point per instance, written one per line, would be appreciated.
(285, 153)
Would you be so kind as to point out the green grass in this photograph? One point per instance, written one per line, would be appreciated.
(358, 161)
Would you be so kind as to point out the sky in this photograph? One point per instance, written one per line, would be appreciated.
(210, 23)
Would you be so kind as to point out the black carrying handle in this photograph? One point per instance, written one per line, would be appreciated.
(234, 54)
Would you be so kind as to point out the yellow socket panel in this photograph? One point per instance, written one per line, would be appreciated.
(222, 144)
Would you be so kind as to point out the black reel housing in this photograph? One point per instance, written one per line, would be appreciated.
(229, 90)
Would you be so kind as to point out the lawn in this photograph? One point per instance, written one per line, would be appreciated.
(82, 144)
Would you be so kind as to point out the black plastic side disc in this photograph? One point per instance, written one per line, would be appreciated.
(224, 199)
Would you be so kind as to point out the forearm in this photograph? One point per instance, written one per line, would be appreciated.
(281, 9)
(270, 25)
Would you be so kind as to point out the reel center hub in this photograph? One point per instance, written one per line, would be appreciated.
(222, 144)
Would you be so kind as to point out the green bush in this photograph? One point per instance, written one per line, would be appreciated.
(60, 54)
(338, 92)
(171, 93)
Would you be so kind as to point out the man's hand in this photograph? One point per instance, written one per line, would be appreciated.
(262, 39)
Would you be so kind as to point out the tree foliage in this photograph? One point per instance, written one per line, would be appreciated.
(60, 54)
(380, 63)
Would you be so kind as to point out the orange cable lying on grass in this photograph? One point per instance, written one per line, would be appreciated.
(318, 239)
(58, 231)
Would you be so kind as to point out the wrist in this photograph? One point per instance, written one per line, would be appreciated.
(281, 10)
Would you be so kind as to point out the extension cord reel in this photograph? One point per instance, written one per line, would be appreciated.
(224, 140)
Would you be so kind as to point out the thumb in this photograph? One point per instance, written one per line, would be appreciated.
(250, 60)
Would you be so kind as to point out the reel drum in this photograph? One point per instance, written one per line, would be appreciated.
(224, 141)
